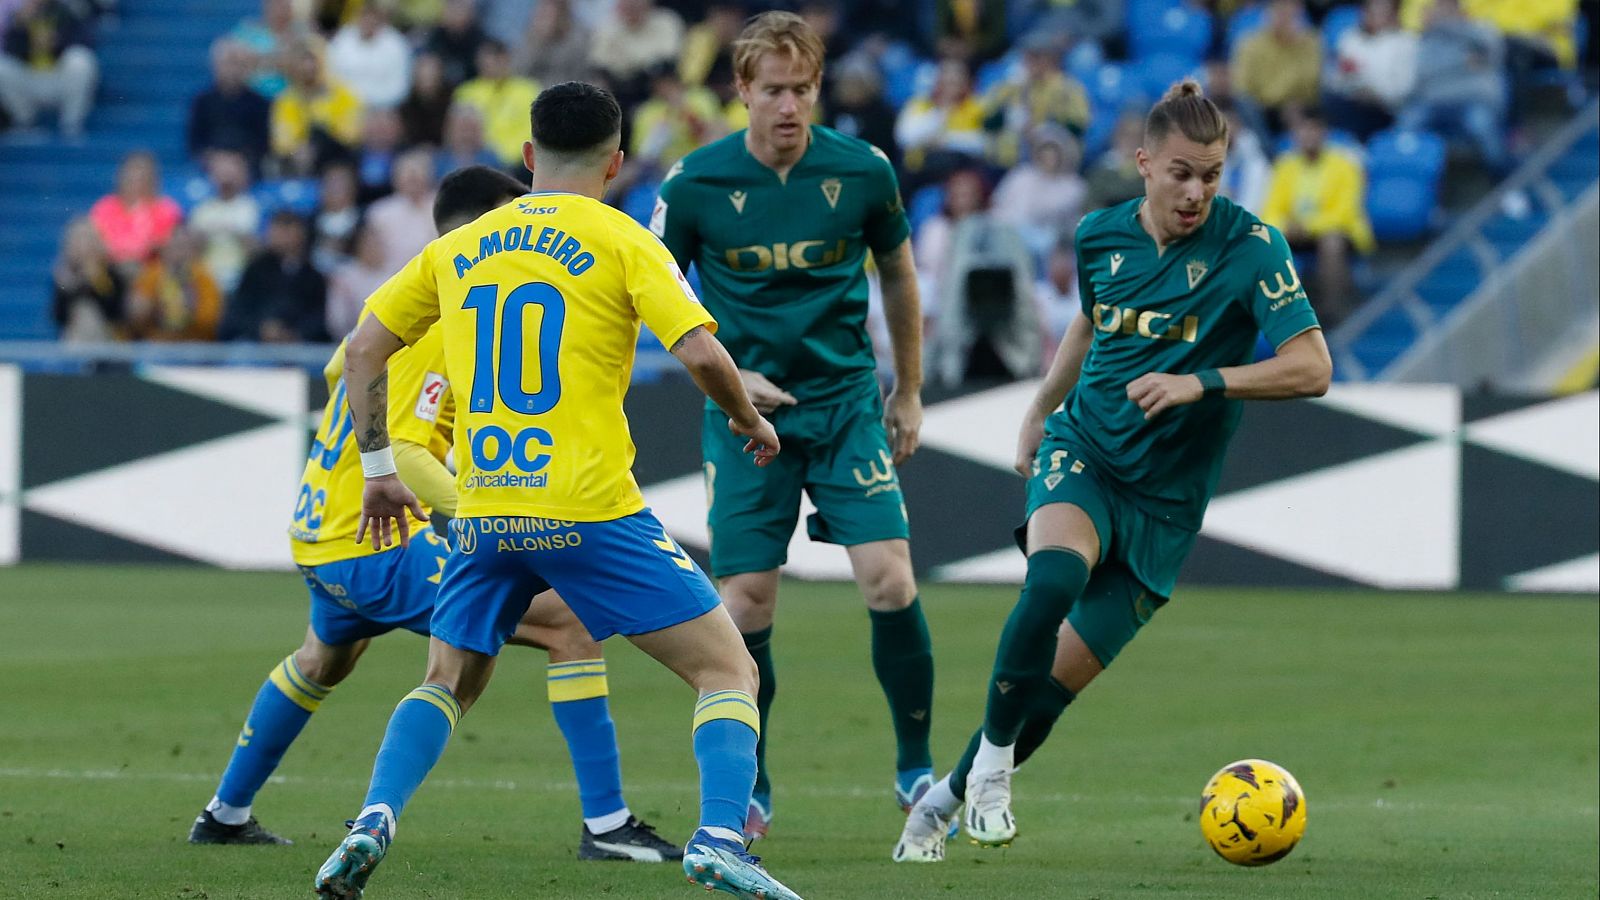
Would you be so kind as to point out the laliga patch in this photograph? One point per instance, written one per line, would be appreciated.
(683, 282)
(433, 387)
(658, 219)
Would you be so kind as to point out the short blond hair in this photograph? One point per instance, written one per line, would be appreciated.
(775, 32)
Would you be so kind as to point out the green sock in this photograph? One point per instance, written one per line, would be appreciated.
(759, 643)
(1056, 578)
(902, 657)
(1052, 703)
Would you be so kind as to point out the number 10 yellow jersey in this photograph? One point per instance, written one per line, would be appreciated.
(539, 303)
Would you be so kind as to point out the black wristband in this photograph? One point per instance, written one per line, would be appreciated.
(1211, 382)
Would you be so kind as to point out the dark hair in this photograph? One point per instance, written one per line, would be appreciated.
(575, 117)
(288, 217)
(1187, 109)
(466, 194)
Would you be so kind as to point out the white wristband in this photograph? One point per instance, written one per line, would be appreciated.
(378, 463)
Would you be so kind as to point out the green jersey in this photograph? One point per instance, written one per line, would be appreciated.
(782, 261)
(1197, 305)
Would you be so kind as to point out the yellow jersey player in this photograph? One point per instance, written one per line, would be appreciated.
(358, 592)
(539, 304)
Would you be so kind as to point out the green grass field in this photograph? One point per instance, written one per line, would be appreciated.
(1448, 747)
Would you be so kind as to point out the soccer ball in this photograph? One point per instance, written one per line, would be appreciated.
(1252, 812)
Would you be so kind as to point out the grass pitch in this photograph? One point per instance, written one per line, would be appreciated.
(1448, 747)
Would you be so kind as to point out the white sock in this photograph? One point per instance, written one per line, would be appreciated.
(941, 798)
(611, 822)
(228, 815)
(727, 834)
(991, 757)
(383, 809)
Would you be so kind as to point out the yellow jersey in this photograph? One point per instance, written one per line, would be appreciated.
(328, 507)
(540, 303)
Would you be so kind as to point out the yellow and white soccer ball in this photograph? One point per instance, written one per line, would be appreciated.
(1252, 812)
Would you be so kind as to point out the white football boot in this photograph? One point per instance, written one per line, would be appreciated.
(988, 818)
(923, 838)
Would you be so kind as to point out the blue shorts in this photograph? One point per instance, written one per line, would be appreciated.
(625, 576)
(361, 598)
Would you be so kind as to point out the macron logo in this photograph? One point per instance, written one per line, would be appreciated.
(1116, 263)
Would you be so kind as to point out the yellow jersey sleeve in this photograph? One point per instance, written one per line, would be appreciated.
(659, 291)
(408, 303)
(419, 395)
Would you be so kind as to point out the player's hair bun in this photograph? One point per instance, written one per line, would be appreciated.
(1188, 87)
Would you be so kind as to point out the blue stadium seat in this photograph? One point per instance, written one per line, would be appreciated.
(640, 201)
(900, 66)
(1455, 277)
(1159, 72)
(1111, 87)
(1169, 29)
(297, 195)
(1384, 340)
(925, 204)
(1082, 61)
(1403, 172)
(1247, 21)
(995, 71)
(1339, 20)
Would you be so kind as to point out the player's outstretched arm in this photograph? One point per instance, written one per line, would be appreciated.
(902, 311)
(385, 499)
(1064, 371)
(713, 371)
(1301, 368)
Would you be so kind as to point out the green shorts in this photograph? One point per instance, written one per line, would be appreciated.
(1150, 549)
(837, 453)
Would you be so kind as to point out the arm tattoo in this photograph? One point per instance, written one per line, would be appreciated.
(375, 431)
(678, 344)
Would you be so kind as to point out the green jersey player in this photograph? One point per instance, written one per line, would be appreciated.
(779, 219)
(1175, 287)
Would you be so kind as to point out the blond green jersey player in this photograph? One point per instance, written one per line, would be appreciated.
(780, 220)
(1124, 443)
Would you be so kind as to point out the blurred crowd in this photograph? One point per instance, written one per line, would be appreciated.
(317, 146)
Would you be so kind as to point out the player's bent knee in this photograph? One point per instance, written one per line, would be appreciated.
(327, 664)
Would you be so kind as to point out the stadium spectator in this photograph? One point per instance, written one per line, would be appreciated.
(1043, 197)
(1057, 295)
(47, 62)
(228, 221)
(503, 99)
(675, 120)
(463, 143)
(1038, 94)
(426, 104)
(1247, 170)
(856, 105)
(282, 295)
(1115, 176)
(338, 214)
(455, 40)
(1100, 21)
(175, 297)
(555, 47)
(627, 46)
(315, 117)
(707, 57)
(986, 324)
(1460, 86)
(87, 301)
(354, 281)
(1217, 75)
(943, 130)
(1278, 67)
(136, 219)
(1315, 199)
(974, 30)
(267, 40)
(417, 15)
(229, 115)
(1373, 71)
(825, 19)
(506, 21)
(382, 139)
(372, 57)
(404, 220)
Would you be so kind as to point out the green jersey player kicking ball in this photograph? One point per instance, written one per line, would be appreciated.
(778, 219)
(1175, 287)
